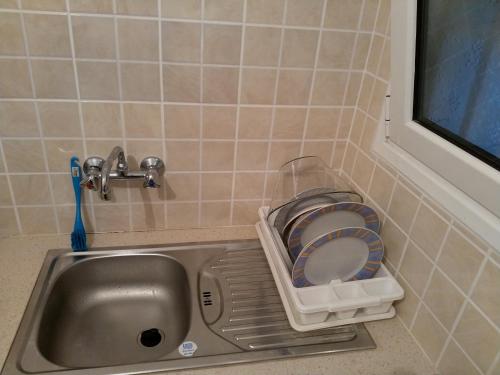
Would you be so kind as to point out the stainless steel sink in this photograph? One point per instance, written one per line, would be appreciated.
(160, 308)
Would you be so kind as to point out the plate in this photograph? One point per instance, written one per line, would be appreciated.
(327, 219)
(344, 254)
(296, 216)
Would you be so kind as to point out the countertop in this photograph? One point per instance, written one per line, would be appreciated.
(22, 257)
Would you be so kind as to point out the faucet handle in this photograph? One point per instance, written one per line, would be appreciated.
(92, 172)
(153, 167)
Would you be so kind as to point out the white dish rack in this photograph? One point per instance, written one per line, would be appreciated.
(330, 305)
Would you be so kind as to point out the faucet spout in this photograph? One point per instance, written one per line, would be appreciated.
(116, 154)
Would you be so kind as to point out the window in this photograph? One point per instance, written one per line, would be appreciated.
(444, 130)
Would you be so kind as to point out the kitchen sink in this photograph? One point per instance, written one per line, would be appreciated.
(159, 308)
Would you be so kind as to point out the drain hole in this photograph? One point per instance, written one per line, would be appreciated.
(150, 337)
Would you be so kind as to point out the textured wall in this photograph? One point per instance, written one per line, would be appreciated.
(223, 90)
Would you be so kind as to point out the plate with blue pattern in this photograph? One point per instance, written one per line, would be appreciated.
(329, 218)
(344, 254)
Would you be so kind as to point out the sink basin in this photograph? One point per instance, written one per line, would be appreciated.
(159, 308)
(122, 309)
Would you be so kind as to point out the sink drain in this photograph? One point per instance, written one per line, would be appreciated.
(150, 337)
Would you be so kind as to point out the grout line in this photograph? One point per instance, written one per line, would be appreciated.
(275, 99)
(11, 190)
(236, 131)
(313, 78)
(201, 124)
(80, 112)
(38, 119)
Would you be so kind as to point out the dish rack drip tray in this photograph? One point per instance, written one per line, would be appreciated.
(334, 304)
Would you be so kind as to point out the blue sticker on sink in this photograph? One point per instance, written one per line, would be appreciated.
(187, 348)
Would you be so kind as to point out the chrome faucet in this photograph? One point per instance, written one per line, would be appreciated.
(98, 173)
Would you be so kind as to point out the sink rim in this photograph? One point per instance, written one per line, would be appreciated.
(51, 268)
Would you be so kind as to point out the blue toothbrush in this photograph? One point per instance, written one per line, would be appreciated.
(78, 236)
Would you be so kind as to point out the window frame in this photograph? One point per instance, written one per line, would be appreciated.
(463, 184)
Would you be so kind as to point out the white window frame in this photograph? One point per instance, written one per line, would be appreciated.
(463, 184)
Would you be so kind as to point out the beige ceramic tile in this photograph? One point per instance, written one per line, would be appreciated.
(289, 123)
(94, 37)
(37, 220)
(381, 187)
(299, 48)
(349, 158)
(181, 8)
(31, 189)
(182, 215)
(265, 11)
(220, 85)
(429, 333)
(428, 231)
(365, 93)
(98, 80)
(460, 260)
(222, 44)
(245, 213)
(293, 87)
(23, 155)
(384, 68)
(415, 268)
(181, 83)
(59, 119)
(217, 155)
(182, 121)
(138, 39)
(403, 207)
(91, 6)
(66, 218)
(54, 79)
(383, 16)
(142, 120)
(224, 10)
(486, 292)
(322, 149)
(9, 4)
(182, 186)
(336, 50)
(466, 232)
(140, 195)
(216, 186)
(18, 119)
(59, 153)
(329, 88)
(137, 8)
(112, 218)
(369, 15)
(48, 35)
(62, 188)
(261, 46)
(361, 51)
(183, 156)
(249, 185)
(443, 299)
(102, 148)
(215, 214)
(477, 337)
(101, 120)
(369, 133)
(343, 15)
(140, 81)
(322, 123)
(14, 79)
(362, 172)
(251, 156)
(181, 41)
(257, 86)
(140, 149)
(11, 43)
(357, 127)
(254, 123)
(345, 123)
(219, 122)
(304, 12)
(148, 216)
(407, 307)
(378, 98)
(281, 152)
(5, 198)
(8, 222)
(46, 5)
(454, 362)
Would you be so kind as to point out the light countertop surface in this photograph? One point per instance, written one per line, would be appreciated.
(22, 257)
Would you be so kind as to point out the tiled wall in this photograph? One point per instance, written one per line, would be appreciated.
(451, 277)
(223, 90)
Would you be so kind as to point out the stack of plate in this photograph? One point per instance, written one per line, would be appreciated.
(329, 238)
